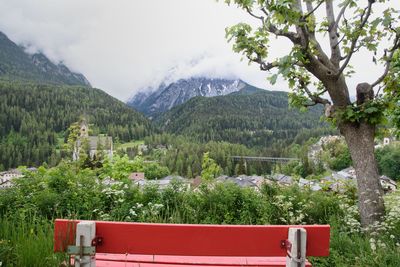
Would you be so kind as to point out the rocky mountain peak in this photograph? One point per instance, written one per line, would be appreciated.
(154, 101)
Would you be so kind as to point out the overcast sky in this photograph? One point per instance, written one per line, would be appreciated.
(124, 46)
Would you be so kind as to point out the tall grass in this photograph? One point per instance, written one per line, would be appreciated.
(27, 242)
(347, 250)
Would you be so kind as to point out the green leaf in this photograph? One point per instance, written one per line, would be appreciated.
(272, 79)
(371, 110)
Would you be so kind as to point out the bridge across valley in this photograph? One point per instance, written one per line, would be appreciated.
(264, 159)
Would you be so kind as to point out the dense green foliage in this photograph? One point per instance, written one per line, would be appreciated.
(392, 91)
(121, 167)
(15, 63)
(209, 169)
(389, 161)
(184, 156)
(34, 116)
(261, 118)
(335, 156)
(70, 192)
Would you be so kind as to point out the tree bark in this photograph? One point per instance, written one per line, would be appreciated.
(360, 140)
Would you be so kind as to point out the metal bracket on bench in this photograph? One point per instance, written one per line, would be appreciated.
(295, 247)
(82, 251)
(85, 247)
(79, 252)
(97, 241)
(285, 244)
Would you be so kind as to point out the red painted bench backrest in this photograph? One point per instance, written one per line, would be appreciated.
(193, 240)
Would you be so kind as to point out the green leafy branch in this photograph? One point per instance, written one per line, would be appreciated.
(372, 112)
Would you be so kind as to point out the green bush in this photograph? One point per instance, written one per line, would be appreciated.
(389, 161)
(340, 162)
(209, 168)
(337, 155)
(155, 171)
(121, 167)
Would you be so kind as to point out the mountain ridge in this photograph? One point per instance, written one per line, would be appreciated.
(17, 64)
(155, 101)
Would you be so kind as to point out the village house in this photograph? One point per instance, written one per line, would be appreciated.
(95, 144)
(388, 184)
(7, 177)
(135, 177)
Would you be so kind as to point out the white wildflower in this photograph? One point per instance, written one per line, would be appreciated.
(372, 244)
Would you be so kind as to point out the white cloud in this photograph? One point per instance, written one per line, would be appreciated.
(126, 45)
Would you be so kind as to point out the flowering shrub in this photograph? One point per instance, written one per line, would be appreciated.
(291, 212)
(115, 193)
(387, 232)
(350, 221)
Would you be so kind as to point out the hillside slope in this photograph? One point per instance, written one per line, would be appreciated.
(32, 116)
(15, 63)
(253, 117)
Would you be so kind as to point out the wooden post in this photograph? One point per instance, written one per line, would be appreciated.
(297, 252)
(85, 233)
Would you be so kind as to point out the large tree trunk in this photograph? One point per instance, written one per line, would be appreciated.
(360, 140)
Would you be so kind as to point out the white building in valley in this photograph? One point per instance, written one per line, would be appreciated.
(94, 144)
(7, 177)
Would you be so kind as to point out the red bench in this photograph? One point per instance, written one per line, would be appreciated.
(149, 245)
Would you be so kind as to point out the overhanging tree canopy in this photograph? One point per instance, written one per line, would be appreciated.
(312, 72)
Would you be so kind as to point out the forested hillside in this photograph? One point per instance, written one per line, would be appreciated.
(184, 156)
(15, 63)
(33, 116)
(251, 117)
(38, 105)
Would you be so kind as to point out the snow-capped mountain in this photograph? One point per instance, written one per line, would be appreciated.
(154, 102)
